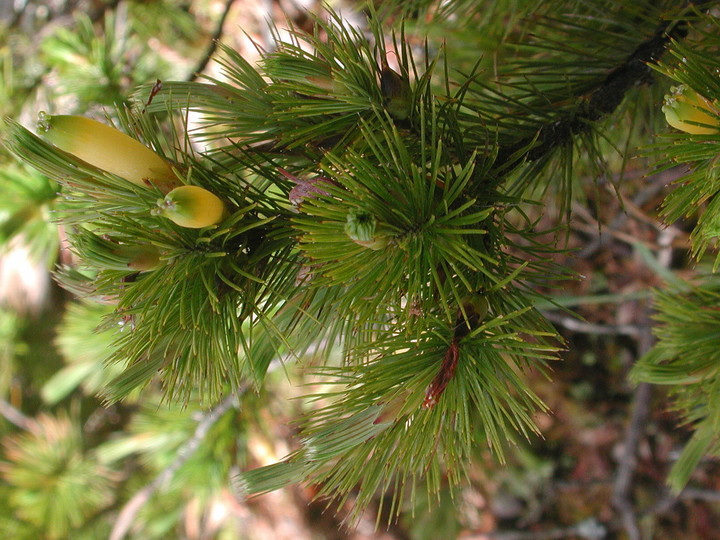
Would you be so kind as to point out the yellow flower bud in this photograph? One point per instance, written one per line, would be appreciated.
(192, 206)
(690, 112)
(108, 149)
(140, 259)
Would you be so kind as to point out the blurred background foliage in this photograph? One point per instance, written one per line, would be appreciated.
(74, 467)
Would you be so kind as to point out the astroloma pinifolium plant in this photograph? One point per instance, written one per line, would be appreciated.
(342, 196)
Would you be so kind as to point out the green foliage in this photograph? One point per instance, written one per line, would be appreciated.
(435, 517)
(9, 330)
(694, 65)
(89, 61)
(389, 216)
(168, 20)
(98, 65)
(685, 357)
(85, 350)
(389, 416)
(25, 211)
(56, 485)
(8, 88)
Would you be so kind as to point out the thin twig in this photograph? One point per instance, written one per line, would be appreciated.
(667, 502)
(622, 496)
(707, 495)
(14, 416)
(664, 504)
(655, 184)
(575, 325)
(593, 226)
(212, 47)
(133, 506)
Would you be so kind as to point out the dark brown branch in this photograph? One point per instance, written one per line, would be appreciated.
(603, 100)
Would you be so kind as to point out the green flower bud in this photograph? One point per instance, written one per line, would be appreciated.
(192, 206)
(690, 112)
(108, 149)
(360, 227)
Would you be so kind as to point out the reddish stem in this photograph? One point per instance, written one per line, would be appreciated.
(444, 376)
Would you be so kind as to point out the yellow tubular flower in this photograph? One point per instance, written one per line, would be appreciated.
(192, 206)
(690, 112)
(140, 259)
(108, 149)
